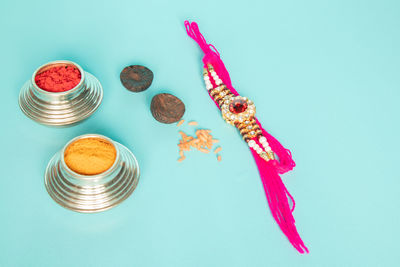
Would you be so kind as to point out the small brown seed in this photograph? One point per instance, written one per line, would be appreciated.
(180, 123)
(219, 158)
(193, 123)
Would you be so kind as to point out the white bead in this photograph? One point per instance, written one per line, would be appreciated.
(251, 143)
(265, 144)
(262, 139)
(209, 86)
(207, 77)
(259, 150)
(213, 73)
(218, 82)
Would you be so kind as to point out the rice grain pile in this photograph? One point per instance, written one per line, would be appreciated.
(203, 141)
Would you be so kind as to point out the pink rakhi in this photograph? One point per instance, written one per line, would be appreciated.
(271, 157)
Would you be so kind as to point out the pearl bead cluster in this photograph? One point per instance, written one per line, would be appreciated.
(207, 81)
(265, 152)
(217, 80)
(214, 75)
(264, 143)
(255, 146)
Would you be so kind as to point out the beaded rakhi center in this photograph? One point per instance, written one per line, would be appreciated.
(238, 111)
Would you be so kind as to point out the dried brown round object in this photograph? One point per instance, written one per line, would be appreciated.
(136, 78)
(167, 108)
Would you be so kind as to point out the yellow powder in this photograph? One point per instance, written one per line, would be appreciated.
(90, 156)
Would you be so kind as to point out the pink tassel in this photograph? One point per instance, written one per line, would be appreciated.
(277, 196)
(275, 190)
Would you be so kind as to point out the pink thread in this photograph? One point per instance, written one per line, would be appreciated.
(276, 192)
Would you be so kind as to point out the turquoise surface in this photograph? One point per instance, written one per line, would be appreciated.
(325, 79)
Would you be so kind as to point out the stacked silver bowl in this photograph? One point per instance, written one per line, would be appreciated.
(61, 108)
(92, 193)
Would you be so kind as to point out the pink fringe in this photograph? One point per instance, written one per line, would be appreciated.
(277, 196)
(275, 190)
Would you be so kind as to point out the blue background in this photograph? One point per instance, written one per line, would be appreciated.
(325, 79)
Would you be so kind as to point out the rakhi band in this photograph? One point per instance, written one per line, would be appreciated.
(271, 157)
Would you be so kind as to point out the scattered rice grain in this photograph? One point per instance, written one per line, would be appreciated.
(218, 149)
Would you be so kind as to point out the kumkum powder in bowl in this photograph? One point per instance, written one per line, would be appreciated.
(58, 78)
(91, 173)
(60, 93)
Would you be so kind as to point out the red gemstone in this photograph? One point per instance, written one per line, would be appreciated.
(238, 106)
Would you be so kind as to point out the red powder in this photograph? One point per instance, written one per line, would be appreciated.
(58, 78)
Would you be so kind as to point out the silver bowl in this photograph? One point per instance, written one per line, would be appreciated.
(61, 108)
(92, 193)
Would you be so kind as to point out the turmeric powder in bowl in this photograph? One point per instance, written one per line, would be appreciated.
(90, 156)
